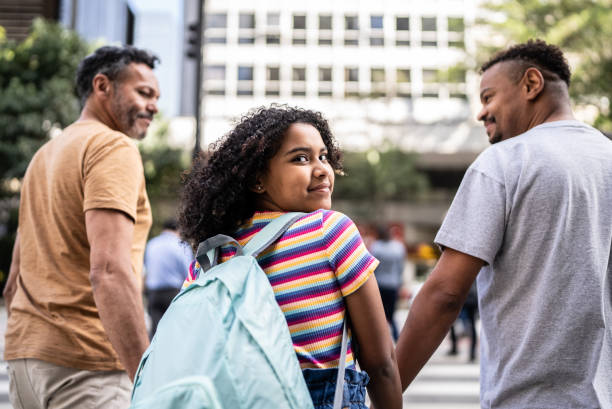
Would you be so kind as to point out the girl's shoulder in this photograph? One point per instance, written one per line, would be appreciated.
(324, 219)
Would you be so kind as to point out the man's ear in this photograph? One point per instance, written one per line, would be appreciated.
(533, 83)
(101, 85)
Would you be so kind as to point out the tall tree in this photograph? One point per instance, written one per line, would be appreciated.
(36, 91)
(581, 28)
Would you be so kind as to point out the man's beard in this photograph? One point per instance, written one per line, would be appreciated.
(127, 118)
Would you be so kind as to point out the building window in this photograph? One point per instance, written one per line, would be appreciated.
(298, 81)
(273, 19)
(215, 28)
(351, 82)
(246, 25)
(299, 29)
(456, 29)
(272, 80)
(377, 35)
(245, 80)
(402, 79)
(429, 32)
(273, 28)
(456, 83)
(214, 79)
(325, 30)
(378, 82)
(351, 30)
(431, 85)
(402, 31)
(325, 81)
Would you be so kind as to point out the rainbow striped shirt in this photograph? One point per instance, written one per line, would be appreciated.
(319, 260)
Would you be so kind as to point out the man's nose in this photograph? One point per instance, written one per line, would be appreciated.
(152, 107)
(482, 114)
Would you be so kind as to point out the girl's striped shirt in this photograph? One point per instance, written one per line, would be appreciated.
(319, 260)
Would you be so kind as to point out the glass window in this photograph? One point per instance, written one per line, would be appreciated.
(272, 73)
(272, 38)
(245, 73)
(403, 75)
(377, 41)
(429, 24)
(299, 21)
(299, 74)
(351, 74)
(325, 74)
(430, 76)
(456, 75)
(455, 24)
(377, 75)
(402, 23)
(246, 20)
(214, 72)
(325, 22)
(376, 22)
(216, 20)
(351, 23)
(273, 19)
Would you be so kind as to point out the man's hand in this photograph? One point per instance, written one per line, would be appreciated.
(115, 286)
(433, 311)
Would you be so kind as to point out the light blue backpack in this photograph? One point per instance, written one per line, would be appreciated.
(224, 341)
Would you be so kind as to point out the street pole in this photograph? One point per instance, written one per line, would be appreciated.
(198, 94)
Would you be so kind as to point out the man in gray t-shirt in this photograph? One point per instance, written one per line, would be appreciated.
(532, 220)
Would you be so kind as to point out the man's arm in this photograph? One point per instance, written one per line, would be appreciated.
(115, 286)
(11, 282)
(433, 311)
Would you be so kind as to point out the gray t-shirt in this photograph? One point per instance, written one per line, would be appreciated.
(537, 208)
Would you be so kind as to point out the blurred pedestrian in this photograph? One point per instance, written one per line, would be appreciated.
(467, 316)
(391, 254)
(166, 261)
(76, 319)
(532, 219)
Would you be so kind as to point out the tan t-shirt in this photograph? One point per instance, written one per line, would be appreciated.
(53, 314)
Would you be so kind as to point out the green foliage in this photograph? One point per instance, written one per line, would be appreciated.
(581, 28)
(379, 176)
(163, 167)
(36, 91)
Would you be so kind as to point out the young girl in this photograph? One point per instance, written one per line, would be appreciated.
(283, 159)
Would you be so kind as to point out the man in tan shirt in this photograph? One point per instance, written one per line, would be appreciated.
(76, 330)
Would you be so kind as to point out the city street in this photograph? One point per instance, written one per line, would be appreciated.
(447, 382)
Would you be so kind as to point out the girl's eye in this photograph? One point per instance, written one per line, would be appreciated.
(323, 157)
(301, 158)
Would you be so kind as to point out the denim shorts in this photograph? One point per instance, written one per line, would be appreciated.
(322, 386)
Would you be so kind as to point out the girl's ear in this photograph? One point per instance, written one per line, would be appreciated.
(257, 188)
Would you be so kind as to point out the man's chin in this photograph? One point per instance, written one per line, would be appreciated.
(495, 138)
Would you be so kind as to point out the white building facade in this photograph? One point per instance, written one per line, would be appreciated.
(383, 72)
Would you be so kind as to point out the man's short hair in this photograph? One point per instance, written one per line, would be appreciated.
(545, 57)
(110, 61)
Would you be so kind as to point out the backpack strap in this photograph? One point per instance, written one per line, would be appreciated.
(339, 394)
(207, 250)
(270, 233)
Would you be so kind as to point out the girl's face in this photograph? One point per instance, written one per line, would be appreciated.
(299, 177)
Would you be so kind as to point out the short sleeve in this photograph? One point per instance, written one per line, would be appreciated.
(475, 222)
(347, 255)
(112, 175)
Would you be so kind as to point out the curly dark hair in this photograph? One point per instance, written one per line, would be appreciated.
(216, 197)
(537, 53)
(110, 61)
